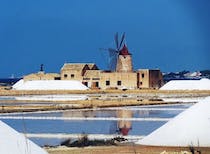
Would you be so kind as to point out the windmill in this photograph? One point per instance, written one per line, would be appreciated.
(114, 53)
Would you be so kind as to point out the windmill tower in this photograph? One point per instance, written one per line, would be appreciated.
(120, 58)
(124, 62)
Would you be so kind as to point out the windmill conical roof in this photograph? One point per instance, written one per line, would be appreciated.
(124, 51)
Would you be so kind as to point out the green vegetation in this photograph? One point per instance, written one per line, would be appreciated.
(84, 141)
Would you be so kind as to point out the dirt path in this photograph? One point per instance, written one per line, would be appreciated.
(129, 149)
(29, 106)
(98, 99)
(137, 91)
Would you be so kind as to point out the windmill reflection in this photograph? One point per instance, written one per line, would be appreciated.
(121, 126)
(124, 126)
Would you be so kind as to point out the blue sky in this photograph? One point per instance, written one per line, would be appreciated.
(172, 35)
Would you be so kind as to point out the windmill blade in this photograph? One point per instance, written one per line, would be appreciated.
(113, 54)
(112, 50)
(122, 39)
(112, 63)
(116, 41)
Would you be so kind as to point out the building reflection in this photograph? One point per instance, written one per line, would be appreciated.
(121, 126)
(144, 113)
(124, 126)
(79, 113)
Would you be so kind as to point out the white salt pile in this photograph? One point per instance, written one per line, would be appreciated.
(189, 128)
(202, 84)
(49, 85)
(70, 97)
(12, 142)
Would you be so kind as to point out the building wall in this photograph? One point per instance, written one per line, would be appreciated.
(73, 74)
(118, 80)
(105, 80)
(155, 79)
(124, 63)
(42, 76)
(149, 78)
(92, 78)
(143, 78)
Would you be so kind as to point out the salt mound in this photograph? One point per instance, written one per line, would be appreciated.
(12, 142)
(203, 84)
(70, 97)
(189, 128)
(49, 85)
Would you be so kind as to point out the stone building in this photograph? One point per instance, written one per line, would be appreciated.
(147, 78)
(41, 75)
(122, 77)
(91, 76)
(76, 71)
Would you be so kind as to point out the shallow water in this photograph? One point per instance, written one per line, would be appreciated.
(95, 126)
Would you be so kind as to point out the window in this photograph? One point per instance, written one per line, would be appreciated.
(72, 76)
(86, 78)
(97, 84)
(119, 83)
(141, 83)
(57, 78)
(96, 78)
(65, 75)
(85, 83)
(107, 83)
(142, 75)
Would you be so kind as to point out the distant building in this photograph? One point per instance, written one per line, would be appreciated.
(147, 78)
(42, 76)
(92, 77)
(121, 76)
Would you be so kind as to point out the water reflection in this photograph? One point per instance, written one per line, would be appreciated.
(144, 113)
(88, 113)
(124, 125)
(108, 126)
